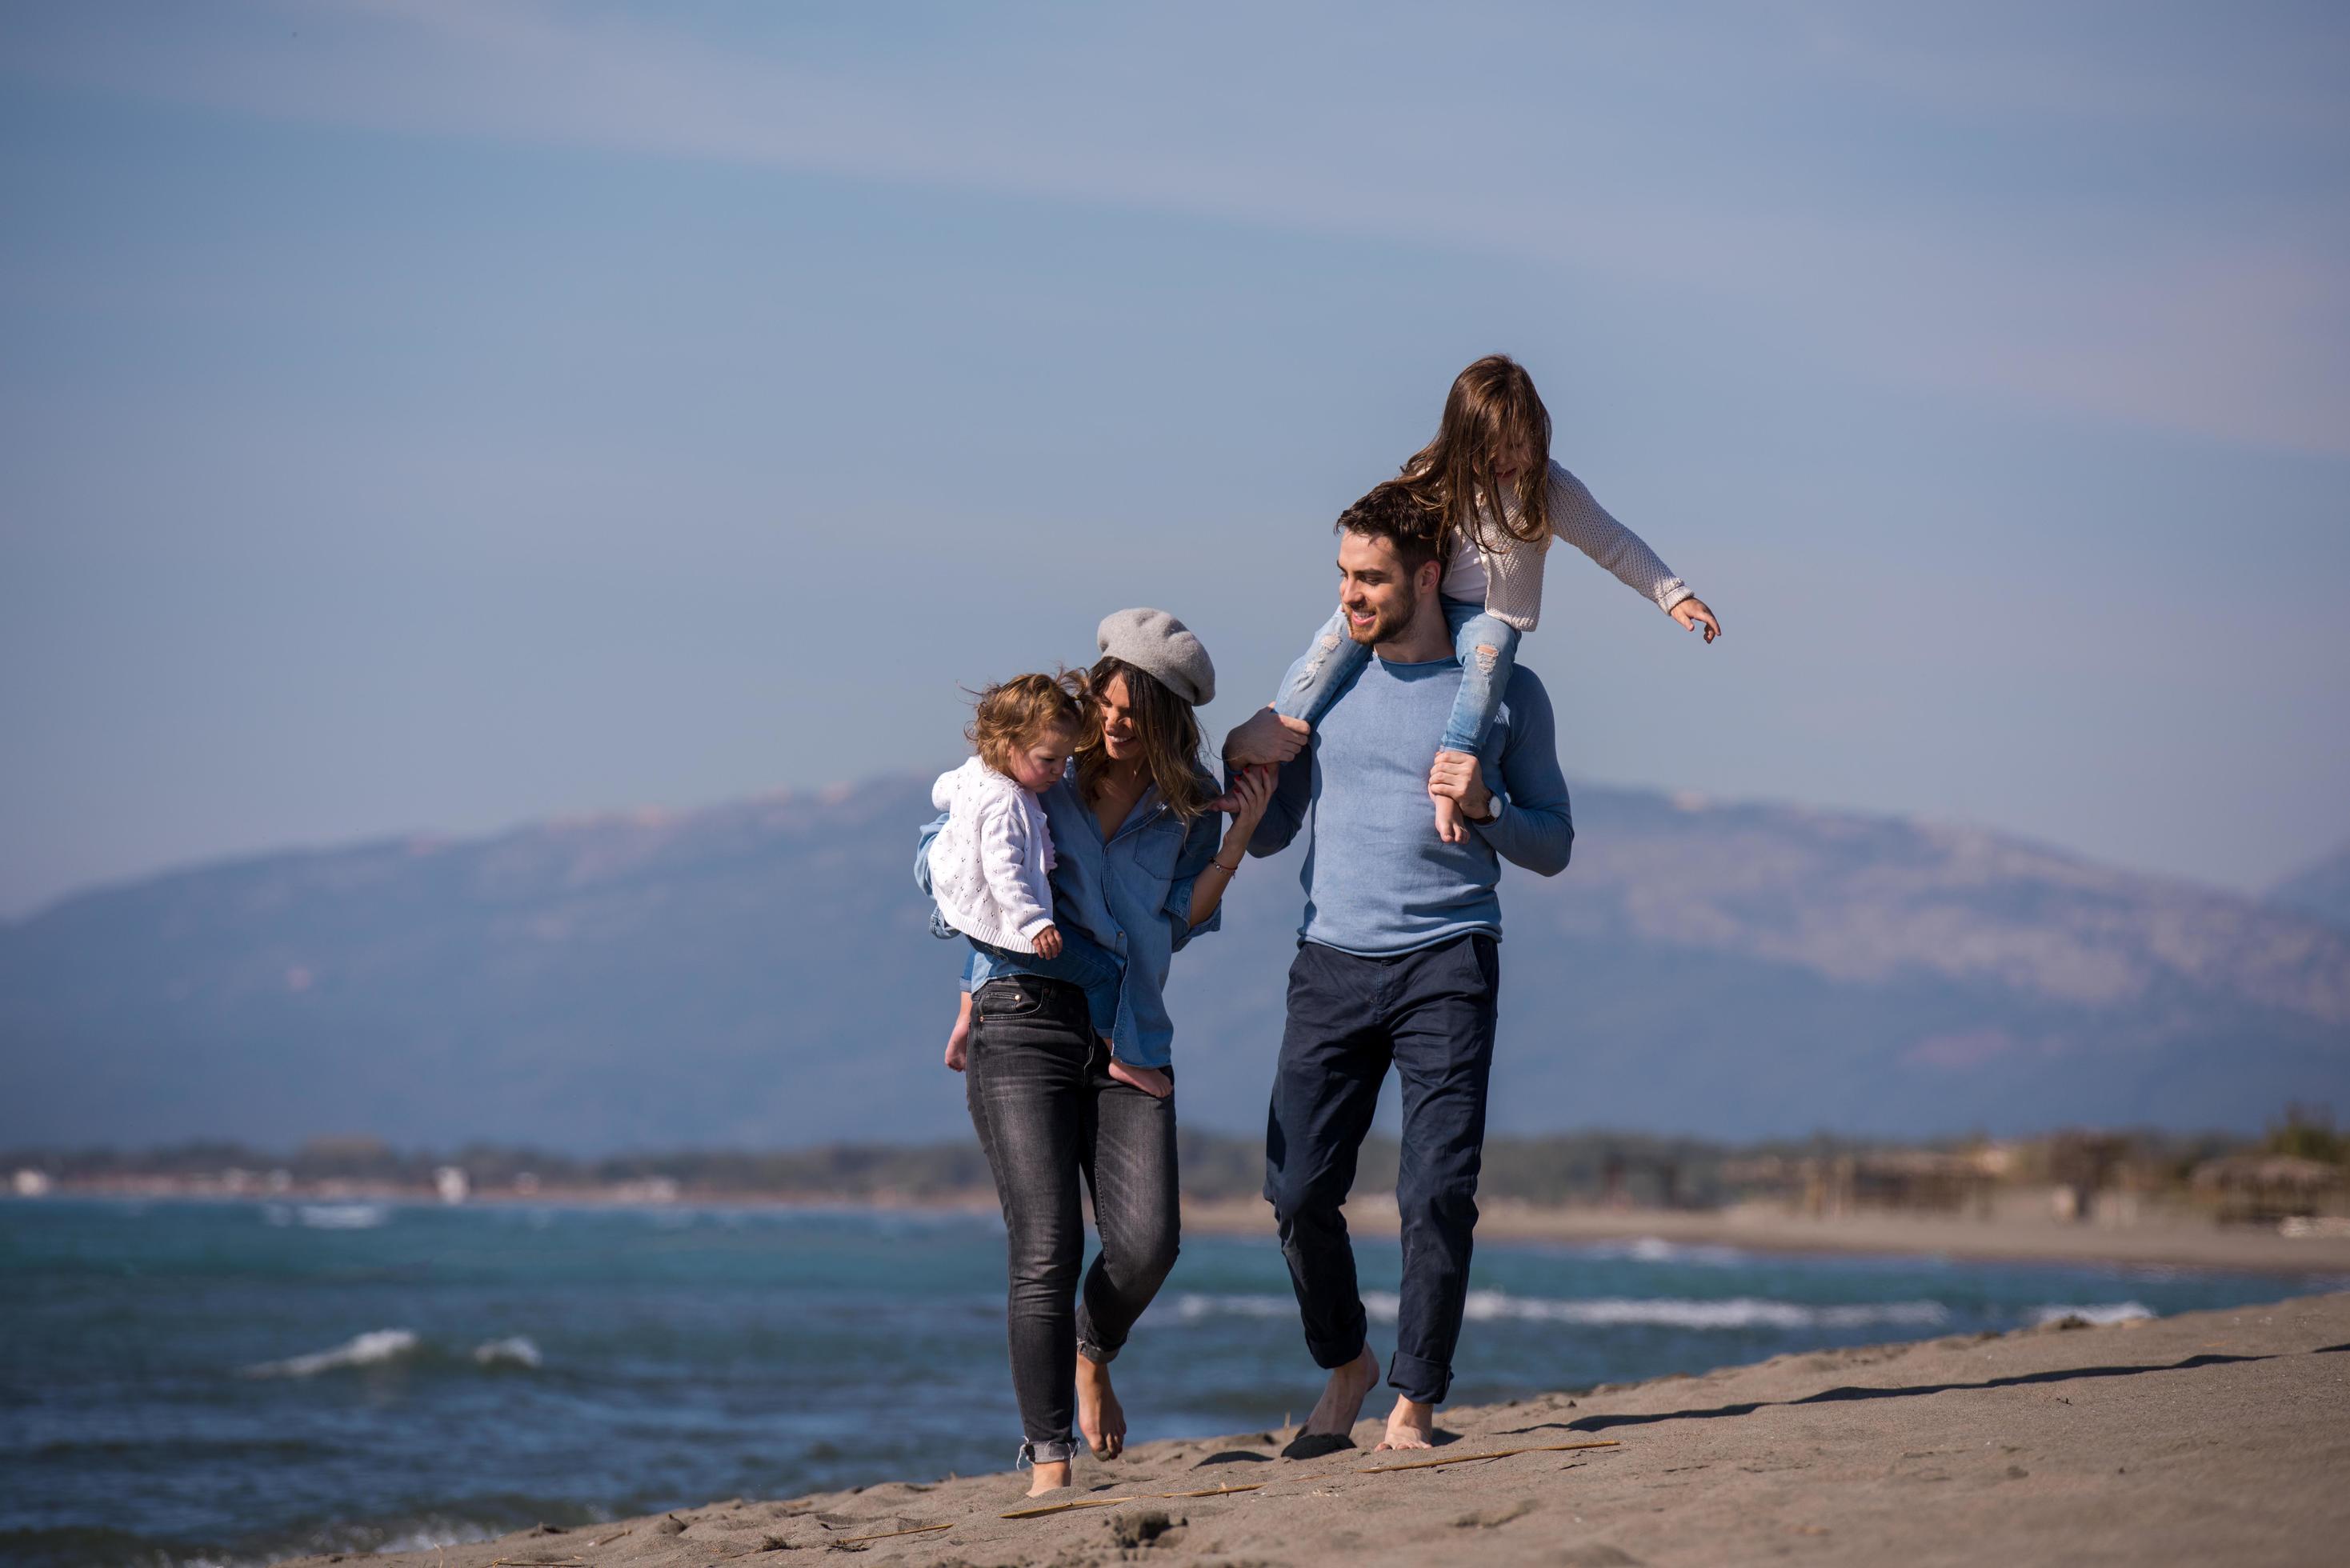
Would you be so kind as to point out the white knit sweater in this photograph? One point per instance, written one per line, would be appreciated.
(988, 863)
(1490, 565)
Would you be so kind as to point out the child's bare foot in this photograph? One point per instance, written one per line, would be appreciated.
(1410, 1424)
(1047, 1477)
(1100, 1415)
(1449, 826)
(959, 1037)
(1149, 1080)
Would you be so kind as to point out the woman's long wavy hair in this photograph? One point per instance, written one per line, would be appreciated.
(1167, 730)
(1492, 405)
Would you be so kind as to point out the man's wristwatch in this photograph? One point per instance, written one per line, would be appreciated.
(1492, 812)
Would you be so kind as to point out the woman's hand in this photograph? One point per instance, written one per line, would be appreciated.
(1691, 613)
(1252, 792)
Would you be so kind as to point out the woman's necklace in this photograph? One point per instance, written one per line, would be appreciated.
(1120, 785)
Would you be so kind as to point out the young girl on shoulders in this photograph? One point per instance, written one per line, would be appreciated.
(1498, 499)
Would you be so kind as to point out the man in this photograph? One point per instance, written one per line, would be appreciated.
(1397, 962)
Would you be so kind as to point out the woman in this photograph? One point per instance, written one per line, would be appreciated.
(1140, 868)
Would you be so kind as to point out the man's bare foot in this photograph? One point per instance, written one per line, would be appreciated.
(1449, 826)
(1341, 1404)
(1100, 1415)
(1045, 1476)
(1149, 1080)
(1410, 1424)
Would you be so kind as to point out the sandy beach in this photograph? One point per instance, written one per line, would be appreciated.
(2020, 1231)
(2207, 1438)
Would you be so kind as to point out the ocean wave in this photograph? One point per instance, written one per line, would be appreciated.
(1607, 1311)
(380, 1346)
(368, 1349)
(328, 1216)
(1656, 1250)
(2102, 1312)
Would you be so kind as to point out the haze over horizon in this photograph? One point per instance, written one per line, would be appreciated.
(427, 419)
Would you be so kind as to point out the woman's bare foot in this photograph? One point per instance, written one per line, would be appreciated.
(1410, 1424)
(1341, 1404)
(1100, 1416)
(1149, 1080)
(1047, 1477)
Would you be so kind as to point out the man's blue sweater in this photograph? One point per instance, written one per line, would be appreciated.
(1378, 880)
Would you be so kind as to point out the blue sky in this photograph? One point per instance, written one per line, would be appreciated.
(424, 418)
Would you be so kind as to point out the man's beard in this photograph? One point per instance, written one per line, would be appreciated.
(1386, 624)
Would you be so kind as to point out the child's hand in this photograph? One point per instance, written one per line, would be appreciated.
(1048, 942)
(1692, 613)
(1149, 1080)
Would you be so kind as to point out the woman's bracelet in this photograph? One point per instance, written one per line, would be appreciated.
(1232, 870)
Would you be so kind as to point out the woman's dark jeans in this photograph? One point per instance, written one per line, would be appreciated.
(1047, 1111)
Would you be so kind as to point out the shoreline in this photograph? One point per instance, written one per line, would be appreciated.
(2156, 1241)
(2211, 1437)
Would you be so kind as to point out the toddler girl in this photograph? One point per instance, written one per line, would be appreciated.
(989, 864)
(1499, 500)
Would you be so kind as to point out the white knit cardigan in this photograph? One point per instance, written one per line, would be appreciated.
(988, 864)
(1512, 568)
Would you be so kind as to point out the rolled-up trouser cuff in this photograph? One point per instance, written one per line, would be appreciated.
(1426, 1381)
(1095, 1353)
(1056, 1451)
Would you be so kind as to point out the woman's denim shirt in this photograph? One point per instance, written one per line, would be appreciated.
(1132, 894)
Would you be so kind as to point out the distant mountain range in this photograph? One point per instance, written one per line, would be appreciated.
(758, 973)
(2323, 891)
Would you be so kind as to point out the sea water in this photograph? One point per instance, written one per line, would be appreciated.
(186, 1382)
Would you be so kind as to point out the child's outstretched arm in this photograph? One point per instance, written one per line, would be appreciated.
(1579, 519)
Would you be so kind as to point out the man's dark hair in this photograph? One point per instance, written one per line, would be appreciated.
(1392, 513)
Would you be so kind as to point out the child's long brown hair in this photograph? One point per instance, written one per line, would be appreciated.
(1493, 406)
(1167, 730)
(1013, 715)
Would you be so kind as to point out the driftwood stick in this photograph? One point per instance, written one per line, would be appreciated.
(1218, 1490)
(886, 1535)
(1064, 1506)
(1497, 1454)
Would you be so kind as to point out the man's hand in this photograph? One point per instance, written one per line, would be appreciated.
(1267, 738)
(1048, 942)
(1692, 613)
(1457, 777)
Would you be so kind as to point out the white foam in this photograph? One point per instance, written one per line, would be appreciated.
(432, 1535)
(363, 1350)
(1607, 1311)
(1656, 1250)
(517, 1350)
(2121, 1311)
(342, 1216)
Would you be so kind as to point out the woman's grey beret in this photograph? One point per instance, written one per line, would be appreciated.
(1153, 640)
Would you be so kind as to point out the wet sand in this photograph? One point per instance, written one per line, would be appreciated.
(2211, 1438)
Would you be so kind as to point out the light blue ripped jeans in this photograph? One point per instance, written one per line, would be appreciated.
(1484, 677)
